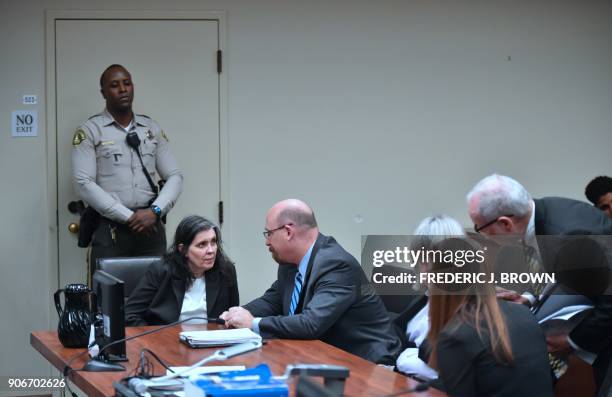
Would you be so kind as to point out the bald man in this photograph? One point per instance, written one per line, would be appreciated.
(321, 291)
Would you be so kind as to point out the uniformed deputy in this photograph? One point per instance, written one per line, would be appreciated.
(108, 174)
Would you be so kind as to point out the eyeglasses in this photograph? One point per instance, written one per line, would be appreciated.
(479, 228)
(267, 233)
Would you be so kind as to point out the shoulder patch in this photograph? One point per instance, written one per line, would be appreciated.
(79, 136)
(163, 134)
(144, 115)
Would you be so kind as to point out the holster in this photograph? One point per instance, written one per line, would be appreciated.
(90, 219)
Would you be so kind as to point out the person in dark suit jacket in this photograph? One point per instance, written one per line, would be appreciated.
(482, 346)
(468, 366)
(321, 292)
(195, 278)
(499, 205)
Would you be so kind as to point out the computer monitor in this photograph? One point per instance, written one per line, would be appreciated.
(110, 302)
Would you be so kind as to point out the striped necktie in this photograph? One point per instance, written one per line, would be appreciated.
(558, 364)
(534, 267)
(295, 298)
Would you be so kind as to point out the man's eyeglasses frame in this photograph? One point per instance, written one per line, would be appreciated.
(266, 233)
(477, 229)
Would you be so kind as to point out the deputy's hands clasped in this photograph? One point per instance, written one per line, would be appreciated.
(142, 221)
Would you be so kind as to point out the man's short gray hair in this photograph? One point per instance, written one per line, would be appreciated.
(498, 195)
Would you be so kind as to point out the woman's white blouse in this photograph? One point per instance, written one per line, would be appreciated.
(194, 302)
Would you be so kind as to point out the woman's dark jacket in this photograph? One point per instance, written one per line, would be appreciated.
(158, 298)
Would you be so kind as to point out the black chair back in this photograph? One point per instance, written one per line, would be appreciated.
(129, 270)
(393, 296)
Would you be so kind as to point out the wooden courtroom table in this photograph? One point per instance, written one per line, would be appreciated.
(366, 378)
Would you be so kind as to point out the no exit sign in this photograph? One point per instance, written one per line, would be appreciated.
(24, 123)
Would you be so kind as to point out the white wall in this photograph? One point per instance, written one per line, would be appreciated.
(390, 110)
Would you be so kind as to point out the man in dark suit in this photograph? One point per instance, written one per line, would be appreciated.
(321, 291)
(500, 206)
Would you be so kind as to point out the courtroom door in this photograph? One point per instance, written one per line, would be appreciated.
(174, 66)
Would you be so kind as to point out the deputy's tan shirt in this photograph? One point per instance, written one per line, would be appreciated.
(108, 174)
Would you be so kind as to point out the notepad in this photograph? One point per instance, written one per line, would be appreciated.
(222, 337)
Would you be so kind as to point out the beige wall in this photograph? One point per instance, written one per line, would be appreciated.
(386, 110)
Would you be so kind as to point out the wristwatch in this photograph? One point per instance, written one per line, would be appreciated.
(156, 210)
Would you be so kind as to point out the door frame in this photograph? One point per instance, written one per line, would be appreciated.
(51, 16)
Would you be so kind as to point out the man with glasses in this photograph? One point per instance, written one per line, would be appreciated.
(321, 291)
(500, 206)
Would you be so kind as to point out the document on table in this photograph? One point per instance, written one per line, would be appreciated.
(222, 337)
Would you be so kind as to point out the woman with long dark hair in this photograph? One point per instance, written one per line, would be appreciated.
(194, 278)
(482, 346)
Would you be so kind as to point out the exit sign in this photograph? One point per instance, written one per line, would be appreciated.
(24, 123)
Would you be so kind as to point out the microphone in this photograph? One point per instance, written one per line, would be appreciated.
(133, 140)
(215, 320)
(91, 365)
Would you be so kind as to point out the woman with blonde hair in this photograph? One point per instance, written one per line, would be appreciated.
(412, 323)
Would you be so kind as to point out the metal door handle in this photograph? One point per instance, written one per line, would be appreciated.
(73, 228)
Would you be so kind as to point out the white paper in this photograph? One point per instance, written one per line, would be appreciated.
(563, 321)
(220, 337)
(566, 313)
